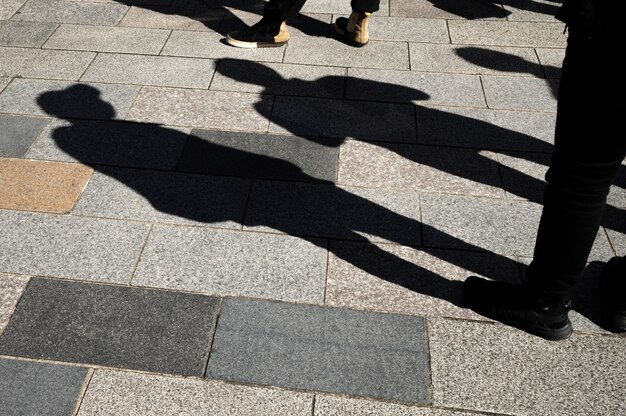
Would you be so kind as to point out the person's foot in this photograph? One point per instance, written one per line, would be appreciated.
(260, 35)
(614, 291)
(513, 305)
(354, 29)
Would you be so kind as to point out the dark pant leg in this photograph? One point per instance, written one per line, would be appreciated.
(281, 10)
(362, 6)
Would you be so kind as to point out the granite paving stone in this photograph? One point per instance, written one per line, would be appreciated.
(329, 211)
(618, 239)
(147, 195)
(19, 133)
(25, 34)
(314, 348)
(35, 388)
(551, 61)
(304, 24)
(67, 99)
(37, 63)
(198, 108)
(579, 376)
(69, 247)
(11, 288)
(111, 143)
(405, 29)
(136, 2)
(339, 6)
(32, 185)
(523, 174)
(4, 82)
(254, 155)
(531, 11)
(81, 13)
(134, 394)
(108, 39)
(151, 70)
(182, 15)
(517, 93)
(343, 119)
(9, 7)
(231, 263)
(114, 326)
(447, 9)
(617, 195)
(415, 87)
(526, 34)
(326, 405)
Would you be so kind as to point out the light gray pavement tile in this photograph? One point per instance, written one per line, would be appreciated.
(551, 61)
(19, 133)
(329, 211)
(324, 349)
(280, 79)
(397, 279)
(523, 173)
(254, 155)
(4, 82)
(339, 6)
(37, 63)
(527, 34)
(618, 239)
(404, 29)
(113, 326)
(474, 59)
(135, 2)
(326, 405)
(447, 9)
(69, 247)
(110, 143)
(108, 39)
(579, 376)
(518, 93)
(25, 34)
(67, 99)
(211, 45)
(419, 168)
(182, 15)
(502, 226)
(35, 388)
(9, 7)
(202, 109)
(230, 263)
(486, 129)
(304, 24)
(11, 288)
(156, 196)
(344, 119)
(617, 195)
(331, 52)
(82, 13)
(415, 87)
(531, 11)
(151, 70)
(136, 394)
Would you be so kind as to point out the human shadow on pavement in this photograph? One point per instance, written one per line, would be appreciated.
(490, 9)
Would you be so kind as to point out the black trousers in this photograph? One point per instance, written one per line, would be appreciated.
(280, 10)
(590, 145)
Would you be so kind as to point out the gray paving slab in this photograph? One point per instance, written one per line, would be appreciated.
(315, 348)
(81, 13)
(11, 288)
(202, 109)
(110, 143)
(531, 11)
(25, 34)
(113, 326)
(136, 2)
(69, 247)
(230, 263)
(343, 119)
(415, 87)
(332, 52)
(551, 61)
(617, 195)
(339, 6)
(526, 34)
(279, 79)
(486, 129)
(265, 156)
(67, 99)
(108, 39)
(579, 376)
(406, 29)
(137, 394)
(182, 15)
(447, 9)
(35, 388)
(151, 70)
(523, 174)
(518, 93)
(19, 133)
(326, 405)
(618, 238)
(304, 24)
(37, 63)
(9, 7)
(328, 211)
(4, 82)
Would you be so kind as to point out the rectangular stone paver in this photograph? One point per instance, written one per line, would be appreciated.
(35, 388)
(234, 263)
(25, 34)
(527, 34)
(326, 405)
(313, 348)
(69, 247)
(19, 133)
(515, 93)
(447, 9)
(36, 63)
(535, 11)
(81, 13)
(4, 82)
(551, 61)
(404, 29)
(136, 394)
(31, 185)
(183, 15)
(113, 326)
(338, 6)
(523, 173)
(11, 288)
(579, 376)
(9, 7)
(304, 24)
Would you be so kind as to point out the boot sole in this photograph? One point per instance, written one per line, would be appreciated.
(346, 38)
(253, 45)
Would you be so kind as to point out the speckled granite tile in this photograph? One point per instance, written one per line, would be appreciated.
(182, 15)
(304, 24)
(531, 11)
(81, 13)
(403, 29)
(523, 174)
(19, 133)
(3, 83)
(9, 7)
(11, 288)
(551, 61)
(447, 9)
(518, 93)
(37, 63)
(25, 34)
(338, 6)
(527, 34)
(343, 406)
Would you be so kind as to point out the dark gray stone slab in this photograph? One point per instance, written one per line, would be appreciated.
(264, 156)
(114, 326)
(34, 388)
(25, 34)
(314, 348)
(19, 133)
(82, 13)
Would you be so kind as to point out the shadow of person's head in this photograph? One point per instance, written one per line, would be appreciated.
(76, 101)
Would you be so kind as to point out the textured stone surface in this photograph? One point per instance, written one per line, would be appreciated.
(81, 13)
(531, 11)
(338, 6)
(551, 61)
(182, 15)
(114, 326)
(408, 30)
(447, 9)
(343, 406)
(141, 394)
(33, 388)
(19, 133)
(9, 7)
(11, 288)
(36, 63)
(509, 93)
(25, 34)
(523, 173)
(528, 34)
(3, 83)
(333, 350)
(304, 24)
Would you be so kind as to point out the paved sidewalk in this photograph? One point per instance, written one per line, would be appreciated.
(192, 228)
